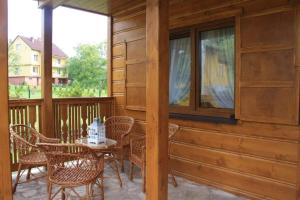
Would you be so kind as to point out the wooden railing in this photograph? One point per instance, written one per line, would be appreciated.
(24, 112)
(71, 116)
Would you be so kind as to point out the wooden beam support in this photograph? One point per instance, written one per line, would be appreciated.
(157, 40)
(109, 56)
(5, 171)
(47, 112)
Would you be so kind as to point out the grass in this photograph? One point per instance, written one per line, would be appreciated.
(26, 92)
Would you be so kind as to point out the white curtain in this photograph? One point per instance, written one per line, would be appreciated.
(180, 71)
(217, 73)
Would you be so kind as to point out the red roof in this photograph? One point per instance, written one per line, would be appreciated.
(37, 45)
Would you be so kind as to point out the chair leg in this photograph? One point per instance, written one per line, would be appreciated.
(28, 174)
(173, 179)
(63, 193)
(88, 192)
(102, 186)
(143, 171)
(50, 191)
(18, 177)
(122, 162)
(117, 172)
(131, 171)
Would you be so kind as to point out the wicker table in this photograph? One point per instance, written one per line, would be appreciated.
(107, 148)
(97, 147)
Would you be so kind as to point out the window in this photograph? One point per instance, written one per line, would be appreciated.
(58, 61)
(35, 57)
(180, 71)
(18, 47)
(17, 71)
(35, 70)
(202, 70)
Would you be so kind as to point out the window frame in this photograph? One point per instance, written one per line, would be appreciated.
(35, 57)
(195, 92)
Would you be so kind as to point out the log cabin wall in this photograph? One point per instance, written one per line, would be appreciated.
(257, 157)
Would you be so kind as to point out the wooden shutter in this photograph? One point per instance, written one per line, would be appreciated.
(268, 86)
(135, 73)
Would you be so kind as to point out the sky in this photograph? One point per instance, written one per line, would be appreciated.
(70, 27)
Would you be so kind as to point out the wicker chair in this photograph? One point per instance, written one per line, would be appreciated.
(25, 139)
(138, 154)
(118, 128)
(68, 169)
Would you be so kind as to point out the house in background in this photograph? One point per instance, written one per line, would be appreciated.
(28, 67)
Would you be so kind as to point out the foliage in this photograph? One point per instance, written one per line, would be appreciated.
(13, 59)
(23, 91)
(59, 91)
(88, 67)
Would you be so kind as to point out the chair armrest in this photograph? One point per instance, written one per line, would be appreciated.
(137, 143)
(49, 140)
(23, 143)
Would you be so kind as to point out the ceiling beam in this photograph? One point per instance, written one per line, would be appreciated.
(51, 3)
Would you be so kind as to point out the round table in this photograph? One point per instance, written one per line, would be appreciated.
(105, 148)
(108, 143)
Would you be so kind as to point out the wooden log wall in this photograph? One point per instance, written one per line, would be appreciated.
(259, 156)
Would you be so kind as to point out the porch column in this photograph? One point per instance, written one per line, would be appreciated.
(47, 114)
(157, 40)
(5, 171)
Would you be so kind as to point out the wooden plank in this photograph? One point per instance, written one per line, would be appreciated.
(129, 35)
(250, 129)
(47, 114)
(5, 171)
(272, 29)
(297, 53)
(157, 99)
(118, 75)
(268, 149)
(237, 162)
(119, 50)
(247, 185)
(135, 21)
(268, 66)
(256, 105)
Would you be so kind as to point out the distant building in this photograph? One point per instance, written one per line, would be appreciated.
(28, 67)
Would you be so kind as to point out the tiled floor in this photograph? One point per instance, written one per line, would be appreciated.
(186, 190)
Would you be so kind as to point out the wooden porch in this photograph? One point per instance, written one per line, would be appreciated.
(250, 149)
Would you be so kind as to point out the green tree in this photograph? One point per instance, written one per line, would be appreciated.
(13, 59)
(88, 67)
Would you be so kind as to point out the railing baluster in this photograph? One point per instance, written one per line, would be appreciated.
(64, 117)
(84, 118)
(32, 116)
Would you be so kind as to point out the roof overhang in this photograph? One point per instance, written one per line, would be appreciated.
(95, 6)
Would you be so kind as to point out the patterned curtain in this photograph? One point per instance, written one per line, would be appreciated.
(180, 72)
(217, 68)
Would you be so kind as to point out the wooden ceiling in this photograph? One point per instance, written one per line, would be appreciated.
(105, 7)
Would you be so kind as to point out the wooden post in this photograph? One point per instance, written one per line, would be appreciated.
(47, 114)
(109, 56)
(157, 40)
(5, 170)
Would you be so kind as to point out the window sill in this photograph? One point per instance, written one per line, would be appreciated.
(202, 118)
